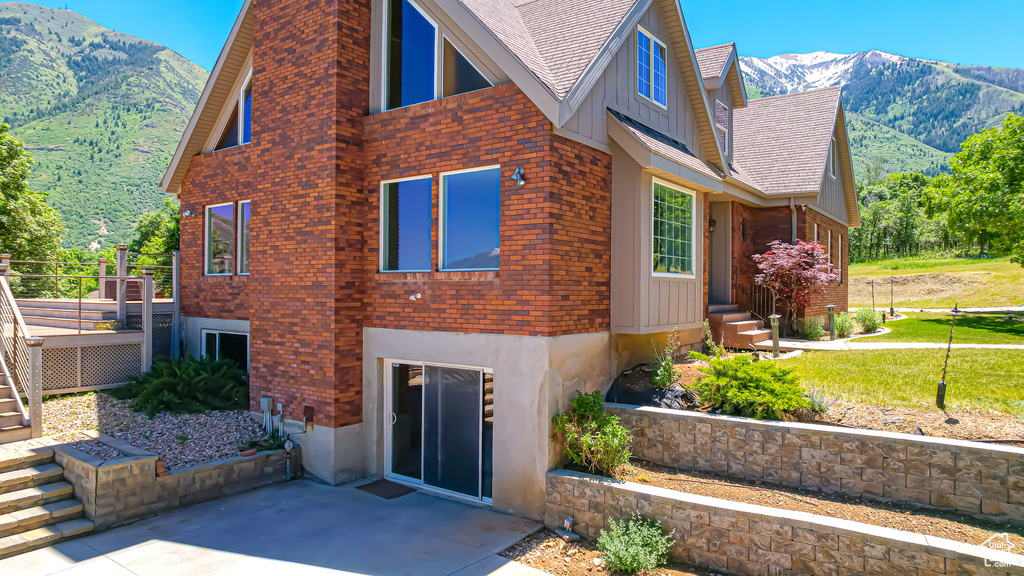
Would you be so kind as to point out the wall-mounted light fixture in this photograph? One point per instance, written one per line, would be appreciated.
(416, 296)
(187, 213)
(711, 225)
(518, 176)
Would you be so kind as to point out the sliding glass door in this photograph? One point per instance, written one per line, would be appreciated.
(440, 427)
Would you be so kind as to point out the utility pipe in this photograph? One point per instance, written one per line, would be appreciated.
(792, 208)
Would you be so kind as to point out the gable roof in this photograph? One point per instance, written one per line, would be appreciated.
(782, 142)
(663, 145)
(720, 65)
(712, 60)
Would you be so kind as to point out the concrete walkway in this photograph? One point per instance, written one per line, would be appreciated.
(791, 345)
(298, 528)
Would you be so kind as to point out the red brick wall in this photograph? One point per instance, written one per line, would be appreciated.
(837, 292)
(215, 178)
(752, 230)
(555, 236)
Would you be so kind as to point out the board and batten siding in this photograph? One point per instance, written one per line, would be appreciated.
(642, 303)
(831, 198)
(616, 89)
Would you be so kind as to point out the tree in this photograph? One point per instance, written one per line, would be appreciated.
(30, 229)
(796, 272)
(158, 231)
(983, 196)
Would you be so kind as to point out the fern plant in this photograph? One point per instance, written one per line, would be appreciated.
(187, 385)
(591, 437)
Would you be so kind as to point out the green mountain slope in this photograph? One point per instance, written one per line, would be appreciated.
(879, 150)
(101, 112)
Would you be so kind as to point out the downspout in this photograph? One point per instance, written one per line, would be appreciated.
(792, 208)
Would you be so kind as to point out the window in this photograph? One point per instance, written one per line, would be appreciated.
(239, 126)
(406, 225)
(460, 76)
(833, 162)
(470, 219)
(651, 68)
(227, 345)
(411, 55)
(815, 232)
(672, 230)
(830, 247)
(220, 239)
(722, 125)
(244, 230)
(839, 258)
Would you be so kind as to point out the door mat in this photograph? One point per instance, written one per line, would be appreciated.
(386, 489)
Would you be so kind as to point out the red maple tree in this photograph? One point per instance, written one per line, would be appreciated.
(796, 272)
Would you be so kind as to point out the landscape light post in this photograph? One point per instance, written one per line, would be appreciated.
(775, 334)
(940, 394)
(872, 284)
(892, 289)
(831, 321)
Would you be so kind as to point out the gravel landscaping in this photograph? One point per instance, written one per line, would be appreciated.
(90, 446)
(951, 526)
(182, 440)
(966, 424)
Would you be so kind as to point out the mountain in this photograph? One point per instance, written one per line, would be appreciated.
(905, 114)
(100, 111)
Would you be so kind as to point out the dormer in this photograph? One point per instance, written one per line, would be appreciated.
(723, 82)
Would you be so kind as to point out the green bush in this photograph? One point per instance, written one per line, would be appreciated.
(634, 545)
(187, 385)
(591, 437)
(844, 325)
(663, 369)
(747, 387)
(813, 328)
(869, 319)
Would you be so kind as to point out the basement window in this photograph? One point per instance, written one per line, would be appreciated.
(673, 230)
(220, 240)
(460, 76)
(411, 73)
(651, 68)
(244, 232)
(406, 239)
(470, 219)
(227, 345)
(238, 129)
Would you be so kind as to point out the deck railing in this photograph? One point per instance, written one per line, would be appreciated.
(22, 358)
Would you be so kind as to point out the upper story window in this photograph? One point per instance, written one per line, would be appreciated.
(833, 159)
(410, 63)
(673, 228)
(722, 125)
(227, 238)
(651, 68)
(244, 232)
(239, 127)
(470, 219)
(406, 238)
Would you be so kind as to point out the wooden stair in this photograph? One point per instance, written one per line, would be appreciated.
(37, 507)
(735, 329)
(60, 313)
(12, 424)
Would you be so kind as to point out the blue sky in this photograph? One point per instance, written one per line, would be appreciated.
(981, 32)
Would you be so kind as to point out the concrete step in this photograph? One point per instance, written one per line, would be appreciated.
(62, 322)
(10, 417)
(36, 496)
(743, 340)
(71, 314)
(67, 304)
(14, 434)
(742, 326)
(38, 516)
(29, 477)
(729, 317)
(42, 537)
(722, 308)
(10, 460)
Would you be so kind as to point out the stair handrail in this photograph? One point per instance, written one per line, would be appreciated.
(16, 354)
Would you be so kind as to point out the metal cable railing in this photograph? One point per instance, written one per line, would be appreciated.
(15, 333)
(81, 294)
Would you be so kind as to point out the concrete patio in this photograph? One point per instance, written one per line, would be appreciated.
(296, 528)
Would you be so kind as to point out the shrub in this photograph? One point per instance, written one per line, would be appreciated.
(591, 437)
(744, 386)
(663, 369)
(844, 325)
(187, 385)
(821, 400)
(714, 349)
(634, 545)
(869, 319)
(813, 328)
(796, 273)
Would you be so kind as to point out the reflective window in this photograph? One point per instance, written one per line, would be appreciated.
(238, 130)
(643, 64)
(673, 230)
(406, 226)
(220, 239)
(247, 108)
(651, 68)
(229, 138)
(244, 230)
(471, 219)
(411, 45)
(459, 74)
(227, 345)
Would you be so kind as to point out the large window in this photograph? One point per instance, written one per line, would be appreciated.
(244, 231)
(239, 127)
(460, 76)
(651, 68)
(470, 219)
(406, 239)
(672, 230)
(220, 239)
(411, 52)
(229, 345)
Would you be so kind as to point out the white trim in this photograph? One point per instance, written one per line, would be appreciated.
(380, 221)
(238, 236)
(441, 193)
(202, 342)
(384, 53)
(206, 237)
(650, 67)
(693, 232)
(444, 38)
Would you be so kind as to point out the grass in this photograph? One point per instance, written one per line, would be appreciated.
(939, 283)
(970, 329)
(982, 379)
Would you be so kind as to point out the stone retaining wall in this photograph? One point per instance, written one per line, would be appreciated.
(119, 491)
(759, 541)
(981, 480)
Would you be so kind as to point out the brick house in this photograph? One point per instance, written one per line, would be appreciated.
(424, 225)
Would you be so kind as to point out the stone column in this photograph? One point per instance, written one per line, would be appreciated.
(5, 260)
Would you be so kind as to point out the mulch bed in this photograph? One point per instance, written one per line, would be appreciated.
(951, 526)
(966, 424)
(182, 440)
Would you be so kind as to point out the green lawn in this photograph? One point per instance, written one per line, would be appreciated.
(970, 329)
(984, 379)
(939, 283)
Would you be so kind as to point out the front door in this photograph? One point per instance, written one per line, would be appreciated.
(440, 424)
(720, 253)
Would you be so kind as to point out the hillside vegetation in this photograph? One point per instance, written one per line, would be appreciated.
(100, 111)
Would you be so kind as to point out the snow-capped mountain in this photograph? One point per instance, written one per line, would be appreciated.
(795, 72)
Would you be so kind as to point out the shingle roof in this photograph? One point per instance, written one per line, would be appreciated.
(712, 59)
(555, 39)
(782, 141)
(665, 145)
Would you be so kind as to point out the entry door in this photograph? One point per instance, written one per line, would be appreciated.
(720, 254)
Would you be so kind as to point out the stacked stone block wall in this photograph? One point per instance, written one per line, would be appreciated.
(980, 480)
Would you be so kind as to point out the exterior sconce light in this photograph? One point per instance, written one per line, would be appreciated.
(187, 213)
(416, 296)
(518, 176)
(711, 225)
